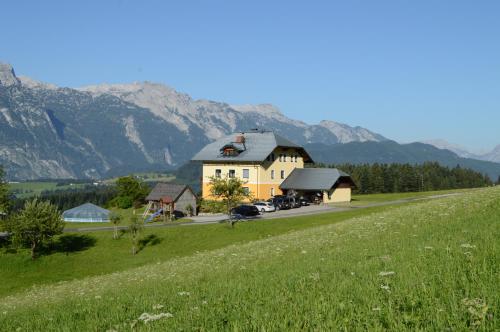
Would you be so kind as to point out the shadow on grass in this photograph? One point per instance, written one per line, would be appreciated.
(150, 240)
(69, 243)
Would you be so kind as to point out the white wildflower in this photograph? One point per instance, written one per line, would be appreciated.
(468, 246)
(352, 273)
(146, 317)
(204, 302)
(386, 273)
(314, 276)
(376, 309)
(385, 287)
(303, 252)
(429, 248)
(97, 297)
(183, 293)
(157, 307)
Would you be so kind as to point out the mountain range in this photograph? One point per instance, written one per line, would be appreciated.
(493, 155)
(113, 129)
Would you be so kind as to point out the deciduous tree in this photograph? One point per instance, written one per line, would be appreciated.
(35, 224)
(4, 193)
(230, 191)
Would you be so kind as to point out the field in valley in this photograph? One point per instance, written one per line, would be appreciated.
(429, 265)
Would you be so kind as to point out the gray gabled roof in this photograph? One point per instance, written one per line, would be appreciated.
(313, 179)
(258, 145)
(163, 189)
(87, 211)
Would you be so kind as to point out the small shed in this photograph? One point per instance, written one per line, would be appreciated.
(330, 185)
(178, 197)
(87, 212)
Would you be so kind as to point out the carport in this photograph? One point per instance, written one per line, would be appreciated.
(326, 185)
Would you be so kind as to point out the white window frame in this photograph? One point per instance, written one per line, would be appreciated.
(282, 174)
(233, 172)
(247, 171)
(218, 173)
(272, 174)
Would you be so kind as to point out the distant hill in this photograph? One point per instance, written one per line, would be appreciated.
(392, 152)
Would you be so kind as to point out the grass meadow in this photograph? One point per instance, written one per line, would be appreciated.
(430, 265)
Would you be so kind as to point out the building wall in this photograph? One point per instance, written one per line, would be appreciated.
(260, 182)
(340, 193)
(184, 200)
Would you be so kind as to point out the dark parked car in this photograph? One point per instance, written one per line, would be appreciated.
(304, 202)
(281, 202)
(245, 211)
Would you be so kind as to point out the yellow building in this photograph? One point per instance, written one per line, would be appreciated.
(262, 159)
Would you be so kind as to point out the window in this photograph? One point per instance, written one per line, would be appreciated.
(281, 157)
(246, 173)
(272, 191)
(282, 174)
(272, 174)
(272, 156)
(246, 190)
(218, 173)
(295, 158)
(284, 158)
(232, 173)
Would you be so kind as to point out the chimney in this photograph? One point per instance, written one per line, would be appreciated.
(240, 139)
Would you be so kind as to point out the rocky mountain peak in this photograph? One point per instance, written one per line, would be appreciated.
(7, 75)
(346, 133)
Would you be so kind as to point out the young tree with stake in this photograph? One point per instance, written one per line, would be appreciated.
(230, 191)
(135, 228)
(115, 219)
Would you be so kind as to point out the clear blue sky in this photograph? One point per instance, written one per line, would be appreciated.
(410, 70)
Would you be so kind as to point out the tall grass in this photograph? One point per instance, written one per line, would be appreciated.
(426, 266)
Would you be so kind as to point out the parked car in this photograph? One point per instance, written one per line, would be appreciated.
(280, 202)
(304, 201)
(265, 206)
(245, 211)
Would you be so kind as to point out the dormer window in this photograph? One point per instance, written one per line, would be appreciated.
(232, 149)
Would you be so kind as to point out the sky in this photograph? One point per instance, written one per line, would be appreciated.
(409, 70)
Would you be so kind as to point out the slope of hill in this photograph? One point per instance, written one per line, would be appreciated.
(426, 266)
(392, 152)
(52, 132)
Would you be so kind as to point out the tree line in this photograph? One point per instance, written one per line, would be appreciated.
(393, 178)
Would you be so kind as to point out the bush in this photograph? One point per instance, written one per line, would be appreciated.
(210, 206)
(189, 210)
(122, 202)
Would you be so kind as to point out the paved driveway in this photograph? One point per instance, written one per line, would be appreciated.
(303, 211)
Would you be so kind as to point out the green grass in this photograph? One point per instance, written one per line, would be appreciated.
(377, 198)
(107, 255)
(431, 265)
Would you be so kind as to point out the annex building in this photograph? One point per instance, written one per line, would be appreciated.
(270, 165)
